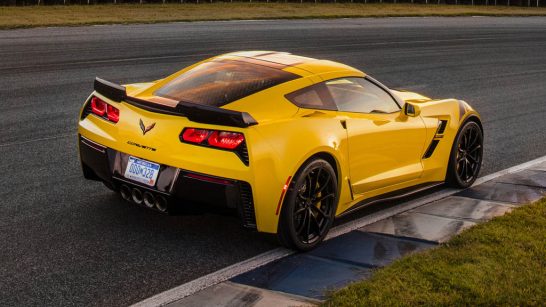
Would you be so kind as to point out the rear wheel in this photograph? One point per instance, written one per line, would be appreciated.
(309, 206)
(466, 156)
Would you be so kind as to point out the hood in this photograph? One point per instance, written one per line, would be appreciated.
(411, 96)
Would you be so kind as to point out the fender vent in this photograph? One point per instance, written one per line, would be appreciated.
(442, 127)
(431, 149)
(246, 209)
(242, 152)
(86, 110)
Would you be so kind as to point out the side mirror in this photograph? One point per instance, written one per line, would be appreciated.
(412, 110)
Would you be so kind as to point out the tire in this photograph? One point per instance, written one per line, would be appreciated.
(466, 156)
(308, 213)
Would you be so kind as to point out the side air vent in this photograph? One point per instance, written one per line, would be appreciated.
(246, 208)
(442, 127)
(431, 149)
(86, 110)
(242, 152)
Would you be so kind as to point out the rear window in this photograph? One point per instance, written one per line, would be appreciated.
(218, 83)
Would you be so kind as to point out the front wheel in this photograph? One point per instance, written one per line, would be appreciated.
(466, 156)
(309, 206)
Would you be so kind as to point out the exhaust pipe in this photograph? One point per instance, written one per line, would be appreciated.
(149, 199)
(161, 203)
(125, 192)
(136, 195)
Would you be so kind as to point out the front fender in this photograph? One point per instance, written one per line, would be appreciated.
(456, 112)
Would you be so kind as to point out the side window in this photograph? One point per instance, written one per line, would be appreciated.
(312, 97)
(361, 96)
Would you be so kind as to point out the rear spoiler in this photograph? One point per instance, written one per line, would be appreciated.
(194, 112)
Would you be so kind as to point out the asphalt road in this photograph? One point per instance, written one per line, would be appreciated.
(67, 241)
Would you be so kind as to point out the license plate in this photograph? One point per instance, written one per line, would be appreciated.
(142, 171)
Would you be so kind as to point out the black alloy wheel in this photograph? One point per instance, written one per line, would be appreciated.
(466, 156)
(309, 206)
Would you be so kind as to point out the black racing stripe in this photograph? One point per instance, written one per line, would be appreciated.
(462, 110)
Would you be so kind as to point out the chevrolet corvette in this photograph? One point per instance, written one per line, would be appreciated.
(288, 142)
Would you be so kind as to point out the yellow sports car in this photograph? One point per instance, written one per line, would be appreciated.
(288, 142)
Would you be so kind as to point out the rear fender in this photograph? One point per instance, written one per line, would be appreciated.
(282, 152)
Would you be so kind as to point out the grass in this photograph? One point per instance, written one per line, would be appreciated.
(502, 262)
(72, 15)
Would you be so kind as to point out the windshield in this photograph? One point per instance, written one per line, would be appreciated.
(218, 83)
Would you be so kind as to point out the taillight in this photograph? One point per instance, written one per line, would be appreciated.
(98, 106)
(213, 138)
(225, 139)
(104, 110)
(113, 114)
(193, 135)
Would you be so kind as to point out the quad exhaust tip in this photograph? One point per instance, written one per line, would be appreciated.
(125, 192)
(149, 199)
(161, 203)
(136, 195)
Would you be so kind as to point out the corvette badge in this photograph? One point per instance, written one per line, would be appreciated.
(144, 128)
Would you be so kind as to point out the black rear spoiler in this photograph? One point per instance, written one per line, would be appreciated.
(194, 112)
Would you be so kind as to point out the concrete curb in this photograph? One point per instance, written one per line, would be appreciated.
(284, 278)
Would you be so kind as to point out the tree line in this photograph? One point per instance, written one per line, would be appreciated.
(531, 3)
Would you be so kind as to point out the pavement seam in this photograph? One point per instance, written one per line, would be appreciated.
(516, 202)
(532, 186)
(456, 218)
(214, 278)
(509, 170)
(289, 295)
(90, 62)
(346, 262)
(495, 202)
(402, 238)
(60, 136)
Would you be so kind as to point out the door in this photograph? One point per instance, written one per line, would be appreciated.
(385, 148)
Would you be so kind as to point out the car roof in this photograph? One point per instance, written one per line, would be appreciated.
(305, 66)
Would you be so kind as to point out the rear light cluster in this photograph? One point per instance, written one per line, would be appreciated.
(104, 110)
(213, 138)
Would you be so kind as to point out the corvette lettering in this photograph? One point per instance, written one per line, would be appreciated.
(141, 146)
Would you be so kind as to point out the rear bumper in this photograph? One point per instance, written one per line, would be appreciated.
(181, 187)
